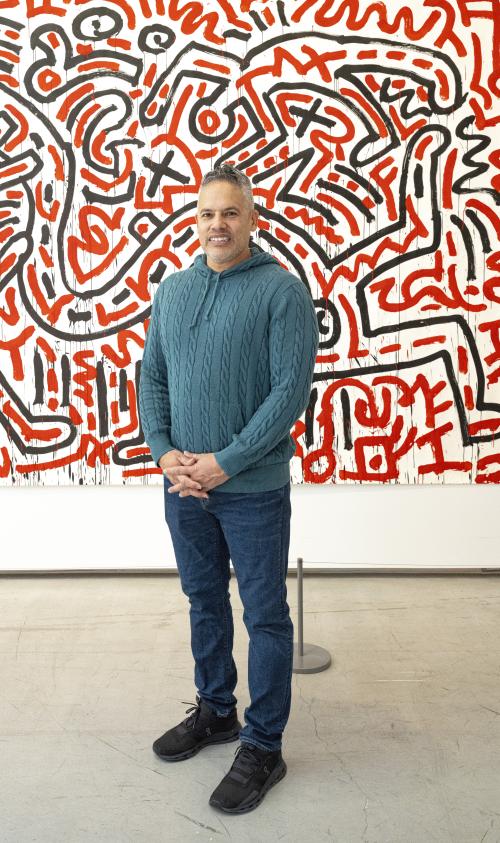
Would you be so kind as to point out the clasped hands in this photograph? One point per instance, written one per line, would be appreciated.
(192, 474)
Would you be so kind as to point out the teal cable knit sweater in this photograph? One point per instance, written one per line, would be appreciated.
(227, 368)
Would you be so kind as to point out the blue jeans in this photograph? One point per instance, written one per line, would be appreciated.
(253, 529)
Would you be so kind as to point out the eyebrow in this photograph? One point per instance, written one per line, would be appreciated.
(231, 208)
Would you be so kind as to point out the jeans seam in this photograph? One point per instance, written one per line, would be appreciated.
(280, 559)
(282, 580)
(227, 656)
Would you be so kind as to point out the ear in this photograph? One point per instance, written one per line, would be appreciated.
(255, 217)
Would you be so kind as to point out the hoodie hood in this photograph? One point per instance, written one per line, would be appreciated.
(210, 278)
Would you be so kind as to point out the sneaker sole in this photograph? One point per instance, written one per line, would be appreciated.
(273, 779)
(222, 737)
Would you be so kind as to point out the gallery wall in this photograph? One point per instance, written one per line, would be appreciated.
(338, 528)
(367, 131)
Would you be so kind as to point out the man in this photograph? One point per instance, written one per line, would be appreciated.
(227, 370)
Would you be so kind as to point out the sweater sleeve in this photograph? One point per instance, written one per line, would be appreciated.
(293, 344)
(154, 402)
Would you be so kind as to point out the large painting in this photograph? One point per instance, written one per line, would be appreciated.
(367, 130)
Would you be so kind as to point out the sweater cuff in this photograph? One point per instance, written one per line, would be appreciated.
(230, 460)
(159, 444)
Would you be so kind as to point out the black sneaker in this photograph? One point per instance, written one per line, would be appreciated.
(254, 771)
(201, 728)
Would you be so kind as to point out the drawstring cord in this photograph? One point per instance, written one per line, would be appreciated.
(214, 292)
(203, 296)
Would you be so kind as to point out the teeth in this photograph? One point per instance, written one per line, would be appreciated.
(219, 239)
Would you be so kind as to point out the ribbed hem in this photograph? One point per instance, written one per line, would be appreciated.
(265, 478)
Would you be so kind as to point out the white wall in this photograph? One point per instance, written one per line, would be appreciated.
(68, 528)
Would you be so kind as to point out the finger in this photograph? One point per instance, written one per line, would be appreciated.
(184, 490)
(193, 493)
(184, 485)
(178, 470)
(181, 487)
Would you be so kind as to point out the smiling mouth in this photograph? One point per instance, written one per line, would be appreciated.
(218, 241)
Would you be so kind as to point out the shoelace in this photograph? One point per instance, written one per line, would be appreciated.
(195, 708)
(246, 761)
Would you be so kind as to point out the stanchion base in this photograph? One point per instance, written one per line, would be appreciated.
(313, 659)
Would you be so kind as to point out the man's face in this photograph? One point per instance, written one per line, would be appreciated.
(225, 220)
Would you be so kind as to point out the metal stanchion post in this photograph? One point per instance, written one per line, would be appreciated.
(307, 658)
(300, 608)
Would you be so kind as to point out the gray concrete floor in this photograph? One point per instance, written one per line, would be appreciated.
(398, 742)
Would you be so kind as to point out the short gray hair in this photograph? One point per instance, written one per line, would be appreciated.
(226, 172)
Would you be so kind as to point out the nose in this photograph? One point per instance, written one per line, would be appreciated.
(218, 222)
